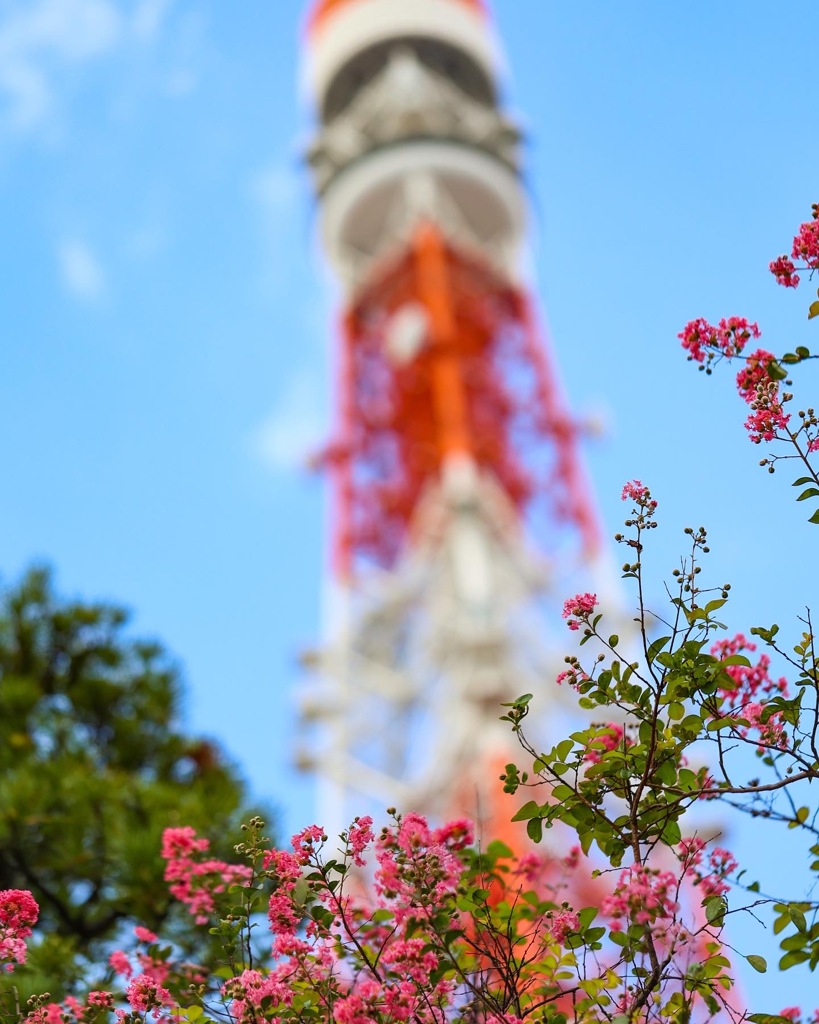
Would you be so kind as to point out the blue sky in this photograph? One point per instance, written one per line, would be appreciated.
(166, 315)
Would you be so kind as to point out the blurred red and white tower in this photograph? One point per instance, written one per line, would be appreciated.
(453, 449)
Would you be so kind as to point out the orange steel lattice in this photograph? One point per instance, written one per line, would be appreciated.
(480, 385)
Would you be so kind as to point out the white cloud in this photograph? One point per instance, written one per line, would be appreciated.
(40, 38)
(80, 270)
(149, 17)
(295, 429)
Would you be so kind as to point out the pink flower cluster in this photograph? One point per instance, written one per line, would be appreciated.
(637, 491)
(748, 690)
(794, 1013)
(711, 876)
(359, 836)
(784, 271)
(704, 342)
(573, 676)
(805, 248)
(761, 393)
(251, 988)
(18, 914)
(73, 1009)
(432, 854)
(152, 969)
(642, 896)
(144, 994)
(562, 924)
(577, 609)
(194, 879)
(285, 870)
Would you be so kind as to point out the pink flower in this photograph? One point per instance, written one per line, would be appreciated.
(144, 935)
(784, 271)
(806, 243)
(759, 391)
(120, 963)
(791, 1012)
(642, 895)
(181, 842)
(703, 341)
(748, 684)
(144, 994)
(634, 490)
(18, 910)
(359, 837)
(562, 924)
(814, 445)
(690, 853)
(455, 835)
(581, 605)
(303, 842)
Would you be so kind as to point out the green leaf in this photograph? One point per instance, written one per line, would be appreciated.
(715, 908)
(534, 829)
(815, 517)
(813, 310)
(656, 647)
(775, 371)
(810, 492)
(792, 959)
(759, 963)
(529, 810)
(802, 352)
(802, 480)
(692, 724)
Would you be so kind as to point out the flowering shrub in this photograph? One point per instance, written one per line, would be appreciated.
(418, 923)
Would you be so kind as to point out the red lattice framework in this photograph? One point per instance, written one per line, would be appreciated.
(481, 384)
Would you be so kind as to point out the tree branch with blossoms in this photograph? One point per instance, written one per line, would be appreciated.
(760, 381)
(626, 783)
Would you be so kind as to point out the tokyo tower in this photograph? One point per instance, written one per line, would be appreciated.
(460, 508)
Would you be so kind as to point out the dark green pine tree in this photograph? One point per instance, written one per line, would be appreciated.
(94, 764)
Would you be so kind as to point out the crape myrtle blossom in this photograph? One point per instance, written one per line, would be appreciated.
(18, 914)
(577, 609)
(636, 490)
(784, 271)
(195, 880)
(642, 896)
(358, 837)
(749, 688)
(805, 248)
(704, 342)
(761, 393)
(143, 995)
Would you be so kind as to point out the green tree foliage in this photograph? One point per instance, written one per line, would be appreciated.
(93, 766)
